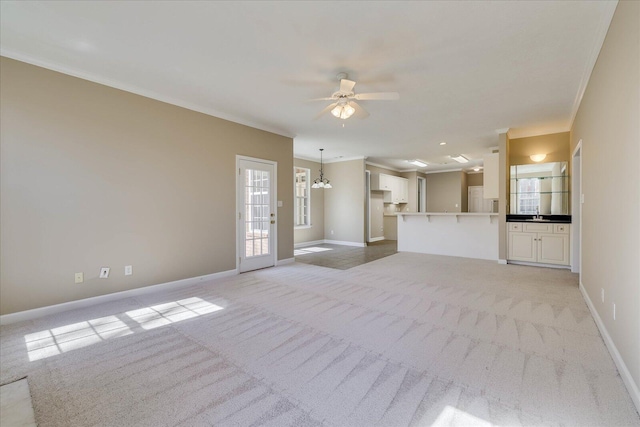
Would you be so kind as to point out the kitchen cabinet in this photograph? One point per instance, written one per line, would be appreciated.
(395, 188)
(545, 243)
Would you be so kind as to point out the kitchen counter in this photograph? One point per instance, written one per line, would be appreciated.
(552, 219)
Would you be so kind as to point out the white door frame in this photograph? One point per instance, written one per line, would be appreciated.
(239, 215)
(422, 189)
(367, 185)
(576, 209)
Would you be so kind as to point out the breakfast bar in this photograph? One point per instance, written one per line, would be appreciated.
(467, 235)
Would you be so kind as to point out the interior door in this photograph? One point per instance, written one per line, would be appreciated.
(256, 214)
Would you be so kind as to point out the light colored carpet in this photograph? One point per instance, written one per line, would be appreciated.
(410, 339)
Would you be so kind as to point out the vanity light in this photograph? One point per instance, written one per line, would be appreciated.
(418, 163)
(537, 157)
(460, 158)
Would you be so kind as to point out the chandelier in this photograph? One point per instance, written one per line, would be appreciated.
(321, 182)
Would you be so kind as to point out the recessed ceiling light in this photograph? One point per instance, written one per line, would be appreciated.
(417, 163)
(443, 143)
(476, 169)
(460, 158)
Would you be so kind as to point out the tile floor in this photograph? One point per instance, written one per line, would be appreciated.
(15, 405)
(345, 257)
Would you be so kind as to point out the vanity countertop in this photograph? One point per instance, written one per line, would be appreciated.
(552, 219)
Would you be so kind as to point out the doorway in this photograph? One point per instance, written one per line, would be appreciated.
(576, 208)
(422, 194)
(257, 226)
(476, 200)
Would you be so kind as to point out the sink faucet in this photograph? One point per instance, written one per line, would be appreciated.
(538, 216)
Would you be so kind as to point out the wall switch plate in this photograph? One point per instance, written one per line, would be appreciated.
(79, 277)
(602, 293)
(128, 270)
(104, 272)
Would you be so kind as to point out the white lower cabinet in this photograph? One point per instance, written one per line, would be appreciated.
(539, 242)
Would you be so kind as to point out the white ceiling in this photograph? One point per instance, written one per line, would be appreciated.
(463, 69)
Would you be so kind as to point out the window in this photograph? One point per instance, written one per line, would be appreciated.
(302, 199)
(528, 196)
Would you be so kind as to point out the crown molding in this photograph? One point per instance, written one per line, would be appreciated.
(600, 35)
(384, 167)
(345, 159)
(142, 92)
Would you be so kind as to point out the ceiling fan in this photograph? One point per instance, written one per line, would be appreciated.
(344, 103)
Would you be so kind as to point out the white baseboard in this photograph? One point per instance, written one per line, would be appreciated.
(285, 261)
(344, 243)
(632, 387)
(376, 239)
(502, 261)
(35, 313)
(305, 244)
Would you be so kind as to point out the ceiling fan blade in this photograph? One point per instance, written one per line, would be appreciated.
(326, 110)
(346, 86)
(360, 113)
(382, 96)
(321, 99)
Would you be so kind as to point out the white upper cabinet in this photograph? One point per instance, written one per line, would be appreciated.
(396, 188)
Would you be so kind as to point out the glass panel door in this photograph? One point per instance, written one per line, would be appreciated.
(256, 215)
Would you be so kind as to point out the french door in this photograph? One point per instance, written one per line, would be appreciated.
(256, 216)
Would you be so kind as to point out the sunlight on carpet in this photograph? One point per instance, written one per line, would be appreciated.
(52, 342)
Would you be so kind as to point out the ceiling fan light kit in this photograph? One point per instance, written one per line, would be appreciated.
(344, 100)
(321, 182)
(343, 111)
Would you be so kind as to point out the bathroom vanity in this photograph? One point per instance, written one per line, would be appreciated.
(539, 241)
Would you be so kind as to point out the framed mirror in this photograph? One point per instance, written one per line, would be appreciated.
(541, 188)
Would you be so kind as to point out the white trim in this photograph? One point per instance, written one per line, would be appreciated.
(142, 92)
(344, 159)
(600, 35)
(383, 167)
(285, 261)
(301, 227)
(538, 264)
(305, 244)
(376, 239)
(344, 243)
(632, 387)
(35, 313)
(576, 232)
(502, 261)
(501, 131)
(308, 197)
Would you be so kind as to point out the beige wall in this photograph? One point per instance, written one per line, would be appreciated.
(377, 211)
(345, 202)
(607, 124)
(443, 192)
(555, 146)
(376, 169)
(316, 231)
(92, 176)
(474, 179)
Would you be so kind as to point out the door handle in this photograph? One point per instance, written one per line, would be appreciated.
(273, 222)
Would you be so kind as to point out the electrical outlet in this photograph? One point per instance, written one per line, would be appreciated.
(79, 277)
(602, 293)
(128, 270)
(104, 272)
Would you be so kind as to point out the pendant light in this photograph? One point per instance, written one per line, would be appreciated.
(321, 182)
